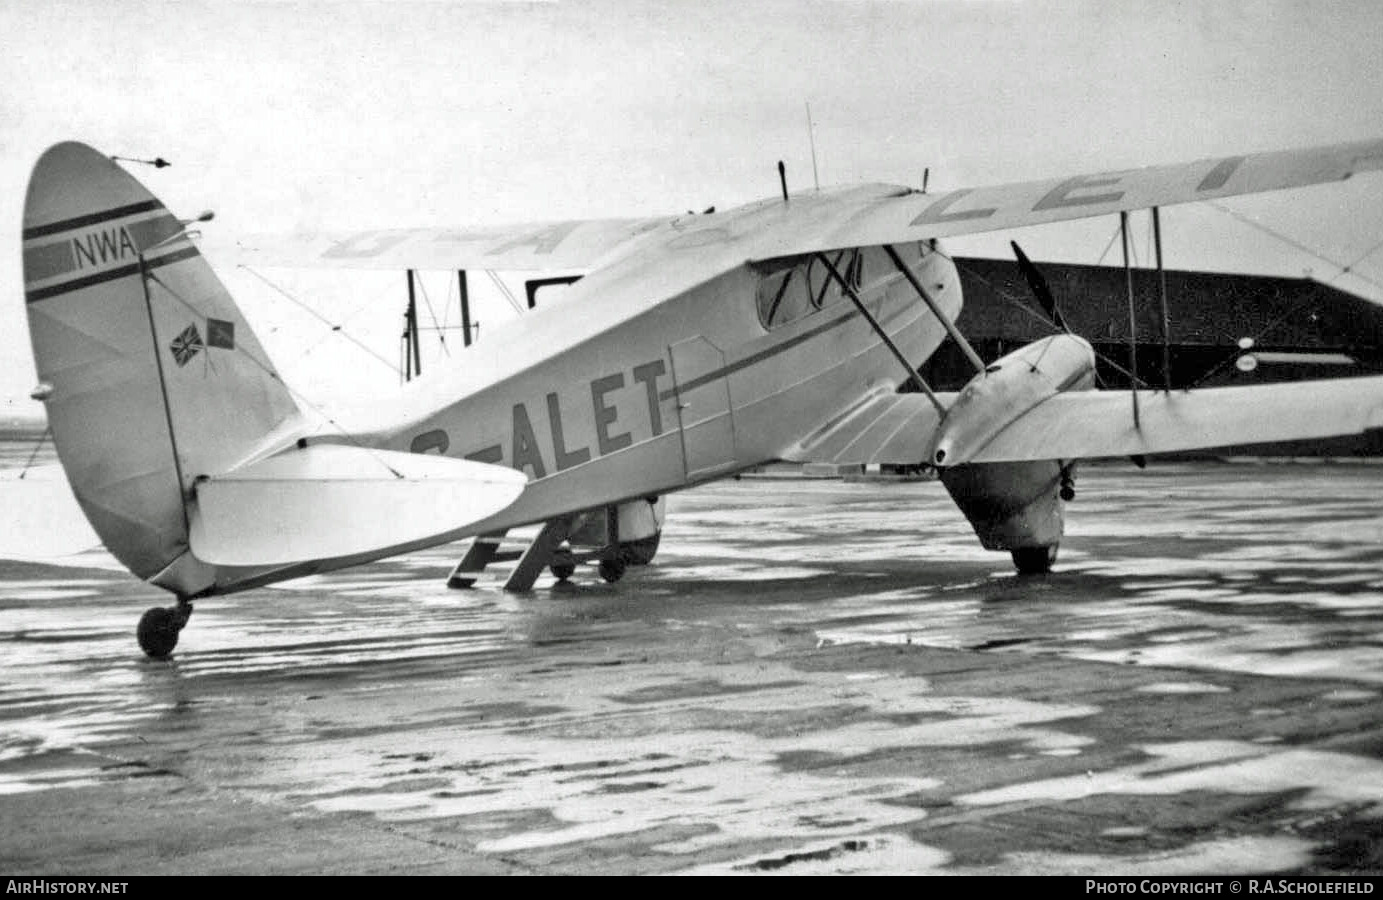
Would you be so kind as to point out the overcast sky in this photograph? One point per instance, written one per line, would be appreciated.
(338, 115)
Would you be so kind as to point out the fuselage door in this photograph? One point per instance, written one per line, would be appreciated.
(703, 408)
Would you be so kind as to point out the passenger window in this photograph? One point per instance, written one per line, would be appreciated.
(784, 292)
(799, 286)
(773, 293)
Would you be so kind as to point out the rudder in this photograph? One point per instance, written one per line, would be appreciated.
(149, 372)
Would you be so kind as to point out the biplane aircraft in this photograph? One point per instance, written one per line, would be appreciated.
(693, 348)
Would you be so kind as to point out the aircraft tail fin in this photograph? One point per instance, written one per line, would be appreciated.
(150, 374)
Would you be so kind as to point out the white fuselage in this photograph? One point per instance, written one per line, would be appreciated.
(677, 363)
(694, 387)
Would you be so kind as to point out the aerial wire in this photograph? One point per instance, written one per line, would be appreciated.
(427, 301)
(321, 318)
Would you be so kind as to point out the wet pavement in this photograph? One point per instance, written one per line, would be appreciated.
(814, 676)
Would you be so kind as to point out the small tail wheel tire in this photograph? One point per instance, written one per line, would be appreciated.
(612, 570)
(158, 631)
(562, 571)
(1034, 560)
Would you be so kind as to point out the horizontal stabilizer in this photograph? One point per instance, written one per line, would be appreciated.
(330, 501)
(1092, 424)
(39, 518)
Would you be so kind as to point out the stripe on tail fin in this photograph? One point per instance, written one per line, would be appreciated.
(156, 377)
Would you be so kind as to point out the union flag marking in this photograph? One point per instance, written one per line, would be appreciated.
(186, 345)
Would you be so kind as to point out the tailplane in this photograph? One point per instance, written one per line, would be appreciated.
(151, 376)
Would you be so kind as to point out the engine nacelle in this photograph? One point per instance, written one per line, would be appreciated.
(1007, 389)
(1011, 506)
(1014, 506)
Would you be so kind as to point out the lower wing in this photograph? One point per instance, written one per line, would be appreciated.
(901, 428)
(1090, 424)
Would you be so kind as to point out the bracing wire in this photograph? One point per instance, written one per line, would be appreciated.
(1024, 305)
(427, 301)
(321, 318)
(504, 289)
(1344, 269)
(264, 366)
(1105, 252)
(42, 439)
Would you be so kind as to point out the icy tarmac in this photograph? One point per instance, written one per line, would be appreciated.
(813, 676)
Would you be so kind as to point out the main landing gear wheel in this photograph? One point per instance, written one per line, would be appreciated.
(612, 570)
(562, 571)
(159, 628)
(1034, 560)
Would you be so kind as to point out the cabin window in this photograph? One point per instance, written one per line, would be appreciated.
(784, 292)
(794, 287)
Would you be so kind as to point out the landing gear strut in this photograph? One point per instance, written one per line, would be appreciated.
(159, 628)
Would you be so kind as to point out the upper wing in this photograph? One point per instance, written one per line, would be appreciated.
(850, 219)
(912, 216)
(534, 246)
(1090, 424)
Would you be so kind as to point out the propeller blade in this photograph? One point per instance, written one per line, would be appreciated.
(1038, 285)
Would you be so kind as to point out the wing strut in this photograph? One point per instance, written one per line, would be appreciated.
(412, 355)
(883, 335)
(1132, 321)
(1162, 293)
(463, 288)
(941, 316)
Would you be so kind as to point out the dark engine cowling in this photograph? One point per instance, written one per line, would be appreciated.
(1012, 506)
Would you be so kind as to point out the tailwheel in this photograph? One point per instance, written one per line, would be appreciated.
(159, 628)
(612, 570)
(1034, 560)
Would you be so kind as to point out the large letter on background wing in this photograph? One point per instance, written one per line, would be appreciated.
(1090, 424)
(544, 246)
(916, 216)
